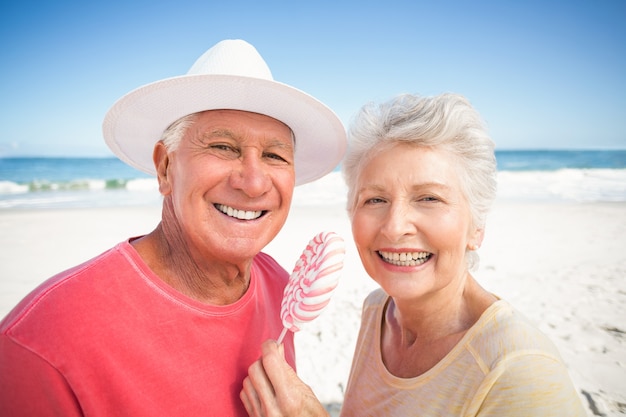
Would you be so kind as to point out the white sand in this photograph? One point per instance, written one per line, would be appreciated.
(562, 264)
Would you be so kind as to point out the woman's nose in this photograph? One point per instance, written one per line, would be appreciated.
(398, 222)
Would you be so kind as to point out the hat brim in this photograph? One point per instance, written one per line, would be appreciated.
(136, 122)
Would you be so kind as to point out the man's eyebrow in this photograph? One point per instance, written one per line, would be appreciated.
(271, 142)
(279, 143)
(222, 133)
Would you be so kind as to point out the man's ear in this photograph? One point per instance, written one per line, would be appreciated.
(161, 160)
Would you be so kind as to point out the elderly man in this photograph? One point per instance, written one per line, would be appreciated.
(167, 324)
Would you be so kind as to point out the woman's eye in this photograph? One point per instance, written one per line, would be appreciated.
(374, 200)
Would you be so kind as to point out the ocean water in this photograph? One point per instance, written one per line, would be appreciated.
(73, 182)
(581, 176)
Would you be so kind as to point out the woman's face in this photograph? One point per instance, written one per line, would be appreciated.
(411, 222)
(230, 182)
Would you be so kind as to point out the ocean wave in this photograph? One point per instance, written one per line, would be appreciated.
(79, 193)
(10, 187)
(139, 184)
(143, 184)
(576, 185)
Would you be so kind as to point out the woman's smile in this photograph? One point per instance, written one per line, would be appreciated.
(404, 258)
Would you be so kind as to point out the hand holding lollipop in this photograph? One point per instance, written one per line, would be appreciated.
(312, 281)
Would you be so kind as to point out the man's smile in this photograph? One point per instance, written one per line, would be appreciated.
(239, 214)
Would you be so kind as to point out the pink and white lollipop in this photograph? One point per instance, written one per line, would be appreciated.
(312, 281)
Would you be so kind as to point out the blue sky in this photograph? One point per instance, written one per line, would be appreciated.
(544, 74)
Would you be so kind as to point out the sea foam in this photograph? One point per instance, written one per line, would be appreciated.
(573, 185)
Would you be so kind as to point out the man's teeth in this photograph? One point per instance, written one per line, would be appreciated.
(405, 258)
(238, 214)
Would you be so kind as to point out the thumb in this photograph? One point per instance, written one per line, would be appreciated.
(274, 363)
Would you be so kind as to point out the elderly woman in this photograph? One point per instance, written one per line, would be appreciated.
(433, 342)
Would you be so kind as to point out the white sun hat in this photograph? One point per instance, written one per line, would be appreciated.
(231, 75)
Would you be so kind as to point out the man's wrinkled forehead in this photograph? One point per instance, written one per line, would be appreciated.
(217, 111)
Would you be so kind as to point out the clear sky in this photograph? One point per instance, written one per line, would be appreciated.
(544, 74)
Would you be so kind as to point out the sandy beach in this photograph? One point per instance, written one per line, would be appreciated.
(562, 264)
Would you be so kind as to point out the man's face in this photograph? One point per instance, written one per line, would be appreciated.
(230, 182)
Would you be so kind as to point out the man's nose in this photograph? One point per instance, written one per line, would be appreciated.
(251, 176)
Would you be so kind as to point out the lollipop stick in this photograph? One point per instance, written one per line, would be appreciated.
(282, 335)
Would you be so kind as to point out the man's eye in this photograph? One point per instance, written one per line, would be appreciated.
(225, 149)
(222, 147)
(275, 156)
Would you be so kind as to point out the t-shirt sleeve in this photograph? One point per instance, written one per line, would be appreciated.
(29, 386)
(528, 384)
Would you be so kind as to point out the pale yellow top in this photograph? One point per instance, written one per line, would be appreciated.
(503, 366)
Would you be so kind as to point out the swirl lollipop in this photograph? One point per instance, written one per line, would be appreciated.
(312, 281)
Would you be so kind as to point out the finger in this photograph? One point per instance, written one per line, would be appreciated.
(273, 355)
(276, 369)
(259, 392)
(259, 380)
(250, 399)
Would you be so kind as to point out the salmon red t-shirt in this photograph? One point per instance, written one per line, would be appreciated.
(109, 338)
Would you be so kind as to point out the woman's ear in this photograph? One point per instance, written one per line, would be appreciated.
(161, 160)
(476, 239)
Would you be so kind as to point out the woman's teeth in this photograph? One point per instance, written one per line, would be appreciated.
(238, 214)
(405, 258)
